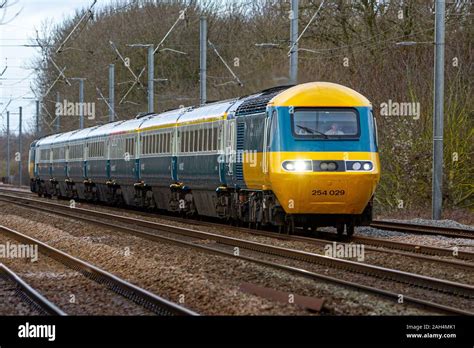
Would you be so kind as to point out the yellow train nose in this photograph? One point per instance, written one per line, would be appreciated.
(316, 193)
(306, 191)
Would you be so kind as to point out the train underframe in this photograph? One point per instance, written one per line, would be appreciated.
(254, 209)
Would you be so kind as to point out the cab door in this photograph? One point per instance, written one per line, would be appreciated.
(267, 138)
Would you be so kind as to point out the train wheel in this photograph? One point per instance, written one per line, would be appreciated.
(350, 229)
(290, 226)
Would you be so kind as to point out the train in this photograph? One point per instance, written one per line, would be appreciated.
(288, 157)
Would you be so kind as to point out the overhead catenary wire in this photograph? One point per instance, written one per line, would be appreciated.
(87, 14)
(236, 78)
(306, 28)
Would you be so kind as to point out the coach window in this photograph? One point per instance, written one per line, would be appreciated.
(196, 140)
(211, 128)
(191, 140)
(185, 140)
(199, 140)
(158, 143)
(202, 140)
(129, 146)
(186, 144)
(164, 142)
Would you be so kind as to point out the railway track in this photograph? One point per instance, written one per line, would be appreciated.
(380, 224)
(422, 252)
(227, 246)
(418, 251)
(28, 294)
(142, 297)
(422, 229)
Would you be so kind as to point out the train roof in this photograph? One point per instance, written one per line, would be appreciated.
(317, 94)
(128, 126)
(81, 133)
(320, 94)
(50, 139)
(206, 113)
(104, 129)
(163, 120)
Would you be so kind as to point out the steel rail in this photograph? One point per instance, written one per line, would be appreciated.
(29, 294)
(130, 291)
(443, 286)
(422, 229)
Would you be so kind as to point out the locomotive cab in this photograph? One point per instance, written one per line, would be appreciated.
(321, 156)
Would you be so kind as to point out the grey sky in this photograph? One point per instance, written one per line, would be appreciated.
(15, 83)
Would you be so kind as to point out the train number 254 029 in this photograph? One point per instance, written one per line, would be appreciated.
(328, 192)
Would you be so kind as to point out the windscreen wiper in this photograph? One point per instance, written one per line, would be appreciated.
(312, 131)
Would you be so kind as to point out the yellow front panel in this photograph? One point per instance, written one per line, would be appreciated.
(316, 192)
(253, 172)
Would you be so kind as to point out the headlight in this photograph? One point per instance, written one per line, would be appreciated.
(289, 166)
(323, 166)
(298, 166)
(359, 166)
(332, 166)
